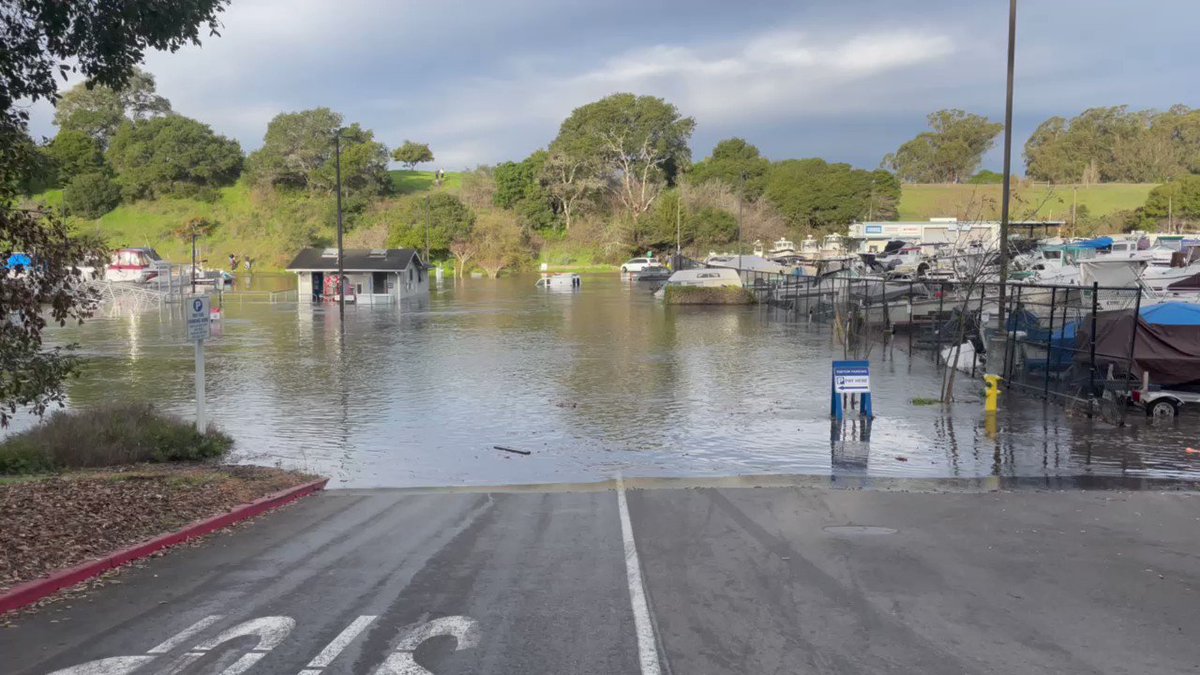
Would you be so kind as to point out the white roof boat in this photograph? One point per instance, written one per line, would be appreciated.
(745, 262)
(711, 277)
(561, 281)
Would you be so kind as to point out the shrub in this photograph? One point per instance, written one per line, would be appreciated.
(118, 433)
(91, 195)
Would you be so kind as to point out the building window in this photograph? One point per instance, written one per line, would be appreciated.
(410, 274)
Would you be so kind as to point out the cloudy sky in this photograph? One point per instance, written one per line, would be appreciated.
(483, 81)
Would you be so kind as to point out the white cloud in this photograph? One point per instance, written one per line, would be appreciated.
(772, 76)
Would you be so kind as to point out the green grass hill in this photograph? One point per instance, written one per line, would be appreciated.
(1031, 201)
(268, 226)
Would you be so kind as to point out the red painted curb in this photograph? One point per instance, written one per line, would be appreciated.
(31, 591)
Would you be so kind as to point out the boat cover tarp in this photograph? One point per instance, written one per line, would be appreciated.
(1169, 352)
(1097, 243)
(1172, 314)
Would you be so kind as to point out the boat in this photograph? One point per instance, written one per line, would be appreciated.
(653, 272)
(709, 277)
(560, 281)
(135, 264)
(782, 248)
(745, 262)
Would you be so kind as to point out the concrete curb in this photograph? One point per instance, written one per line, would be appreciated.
(31, 591)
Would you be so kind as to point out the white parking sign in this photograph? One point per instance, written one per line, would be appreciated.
(198, 326)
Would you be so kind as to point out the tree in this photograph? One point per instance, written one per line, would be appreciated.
(173, 155)
(91, 195)
(298, 153)
(519, 189)
(986, 177)
(815, 195)
(74, 153)
(1177, 202)
(502, 242)
(1115, 144)
(447, 218)
(411, 154)
(98, 110)
(43, 38)
(38, 172)
(463, 249)
(639, 145)
(571, 182)
(949, 153)
(196, 226)
(736, 163)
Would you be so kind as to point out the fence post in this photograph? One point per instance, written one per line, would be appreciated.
(1049, 345)
(1137, 313)
(1092, 348)
(1010, 351)
(937, 327)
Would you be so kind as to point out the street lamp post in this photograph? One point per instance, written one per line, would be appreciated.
(193, 260)
(1008, 112)
(337, 172)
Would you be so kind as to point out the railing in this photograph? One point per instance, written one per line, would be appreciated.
(1047, 346)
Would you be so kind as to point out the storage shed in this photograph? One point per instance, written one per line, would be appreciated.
(375, 275)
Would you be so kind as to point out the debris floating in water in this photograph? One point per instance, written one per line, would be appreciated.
(513, 450)
(901, 458)
(1193, 451)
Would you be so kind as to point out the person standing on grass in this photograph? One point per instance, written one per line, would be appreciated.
(232, 262)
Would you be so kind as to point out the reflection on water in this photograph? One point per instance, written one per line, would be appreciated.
(596, 381)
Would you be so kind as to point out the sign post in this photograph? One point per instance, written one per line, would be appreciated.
(198, 330)
(850, 378)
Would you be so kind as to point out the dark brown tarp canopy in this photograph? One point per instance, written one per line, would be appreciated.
(1171, 354)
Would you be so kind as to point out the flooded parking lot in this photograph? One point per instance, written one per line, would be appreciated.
(591, 382)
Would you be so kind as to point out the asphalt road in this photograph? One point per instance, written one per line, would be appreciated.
(733, 580)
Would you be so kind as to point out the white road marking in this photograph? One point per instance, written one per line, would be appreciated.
(463, 629)
(184, 635)
(647, 651)
(339, 643)
(116, 665)
(270, 630)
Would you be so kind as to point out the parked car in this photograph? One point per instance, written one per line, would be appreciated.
(636, 265)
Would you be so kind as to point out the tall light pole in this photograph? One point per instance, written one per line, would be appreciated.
(337, 172)
(741, 192)
(426, 229)
(193, 260)
(1008, 107)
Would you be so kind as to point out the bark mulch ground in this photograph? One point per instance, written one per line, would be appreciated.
(50, 523)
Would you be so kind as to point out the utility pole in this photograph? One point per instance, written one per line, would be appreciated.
(1008, 112)
(337, 170)
(678, 228)
(741, 191)
(193, 260)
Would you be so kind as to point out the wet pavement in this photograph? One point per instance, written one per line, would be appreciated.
(591, 382)
(657, 578)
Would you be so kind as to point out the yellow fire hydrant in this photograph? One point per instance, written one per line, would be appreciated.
(991, 389)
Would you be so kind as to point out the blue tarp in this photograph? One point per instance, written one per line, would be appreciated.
(1172, 314)
(18, 259)
(1097, 243)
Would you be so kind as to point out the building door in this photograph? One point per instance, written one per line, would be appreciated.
(379, 282)
(318, 286)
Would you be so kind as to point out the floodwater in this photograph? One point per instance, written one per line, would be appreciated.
(592, 382)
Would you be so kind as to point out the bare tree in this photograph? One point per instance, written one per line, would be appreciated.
(638, 172)
(463, 251)
(571, 182)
